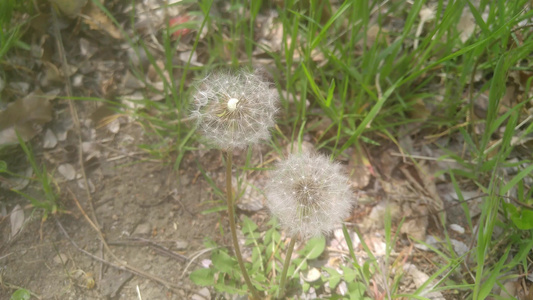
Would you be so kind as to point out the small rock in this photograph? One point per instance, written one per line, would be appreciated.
(50, 140)
(81, 184)
(430, 240)
(61, 258)
(67, 170)
(459, 247)
(143, 229)
(77, 80)
(202, 294)
(20, 86)
(17, 220)
(312, 275)
(457, 228)
(180, 245)
(114, 126)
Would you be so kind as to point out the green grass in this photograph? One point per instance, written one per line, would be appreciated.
(10, 31)
(48, 200)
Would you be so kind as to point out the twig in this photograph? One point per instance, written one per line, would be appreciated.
(123, 267)
(155, 246)
(139, 293)
(194, 258)
(73, 112)
(74, 116)
(120, 264)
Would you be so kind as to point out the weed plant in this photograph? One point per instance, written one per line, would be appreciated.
(48, 201)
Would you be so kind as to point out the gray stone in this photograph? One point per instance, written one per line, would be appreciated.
(143, 229)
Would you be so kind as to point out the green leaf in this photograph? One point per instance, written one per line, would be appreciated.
(334, 277)
(349, 274)
(366, 270)
(487, 286)
(229, 288)
(523, 219)
(356, 290)
(525, 172)
(330, 93)
(3, 166)
(314, 247)
(203, 277)
(223, 262)
(305, 286)
(301, 263)
(248, 226)
(21, 294)
(214, 209)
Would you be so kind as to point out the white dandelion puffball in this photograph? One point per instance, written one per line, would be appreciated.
(234, 110)
(309, 195)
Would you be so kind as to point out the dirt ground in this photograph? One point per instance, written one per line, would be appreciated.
(150, 219)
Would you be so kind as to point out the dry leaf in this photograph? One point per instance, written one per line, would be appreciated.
(420, 279)
(98, 20)
(312, 275)
(360, 168)
(25, 116)
(50, 140)
(17, 220)
(70, 8)
(67, 170)
(419, 111)
(466, 25)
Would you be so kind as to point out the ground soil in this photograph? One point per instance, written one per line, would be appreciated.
(151, 219)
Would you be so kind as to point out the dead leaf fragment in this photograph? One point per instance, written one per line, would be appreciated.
(17, 220)
(312, 275)
(466, 25)
(67, 170)
(70, 8)
(98, 20)
(25, 116)
(360, 169)
(50, 140)
(420, 278)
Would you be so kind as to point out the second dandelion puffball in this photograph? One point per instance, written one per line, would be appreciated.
(234, 110)
(309, 195)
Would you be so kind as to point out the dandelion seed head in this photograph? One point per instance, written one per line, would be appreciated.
(315, 199)
(234, 110)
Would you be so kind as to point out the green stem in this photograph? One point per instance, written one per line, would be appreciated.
(286, 264)
(231, 214)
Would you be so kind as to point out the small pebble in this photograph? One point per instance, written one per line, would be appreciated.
(61, 258)
(202, 294)
(180, 245)
(143, 229)
(457, 228)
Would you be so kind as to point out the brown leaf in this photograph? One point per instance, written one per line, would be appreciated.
(25, 117)
(360, 168)
(98, 20)
(70, 8)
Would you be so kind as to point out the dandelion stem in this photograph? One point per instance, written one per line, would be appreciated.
(231, 214)
(286, 264)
